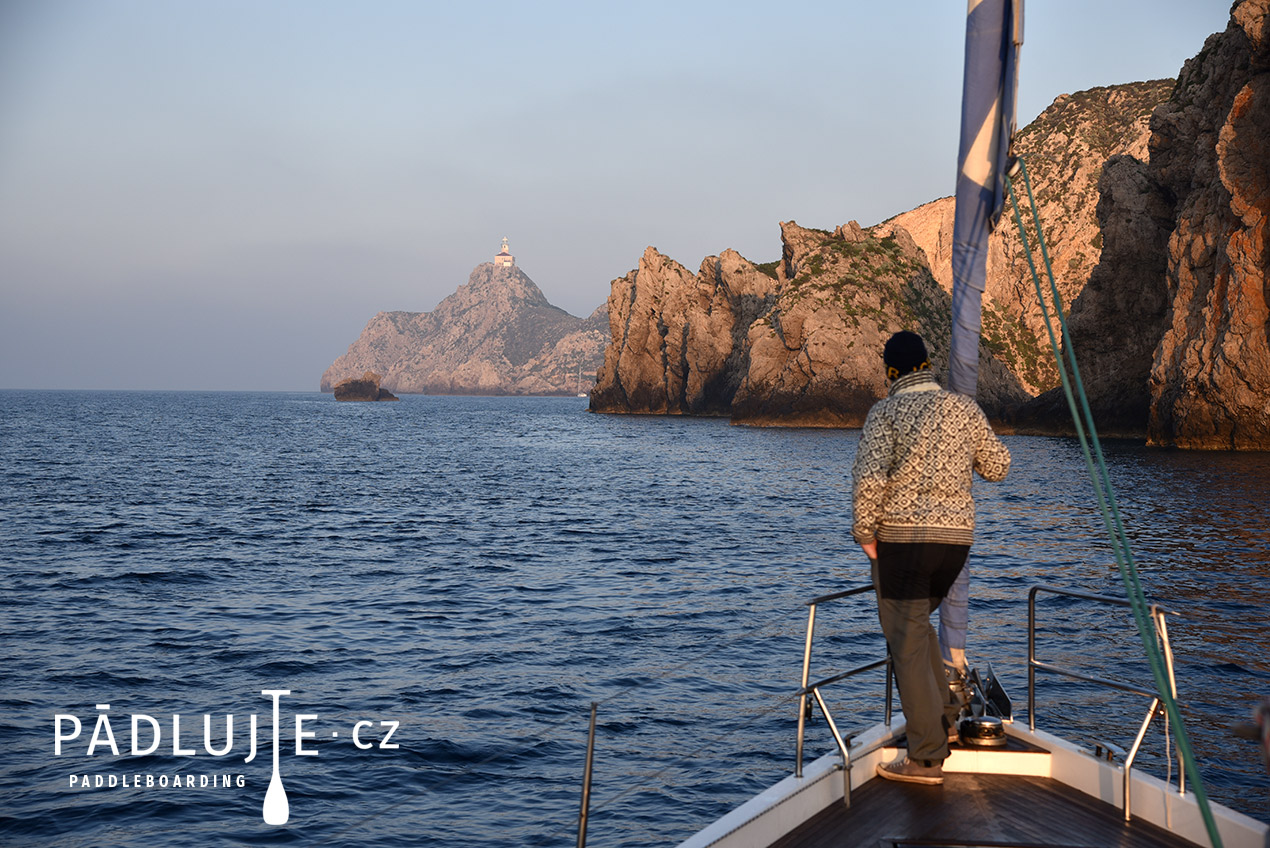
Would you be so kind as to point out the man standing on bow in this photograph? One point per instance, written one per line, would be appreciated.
(915, 519)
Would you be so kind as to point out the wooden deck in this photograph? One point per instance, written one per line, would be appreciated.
(975, 811)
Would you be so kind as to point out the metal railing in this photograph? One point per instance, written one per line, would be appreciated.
(813, 689)
(1033, 664)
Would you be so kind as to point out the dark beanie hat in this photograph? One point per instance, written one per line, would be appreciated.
(904, 352)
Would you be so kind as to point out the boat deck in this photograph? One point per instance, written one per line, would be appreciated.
(980, 810)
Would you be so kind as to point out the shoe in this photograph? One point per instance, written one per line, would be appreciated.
(953, 738)
(907, 771)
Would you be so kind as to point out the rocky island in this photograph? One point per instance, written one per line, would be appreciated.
(794, 342)
(496, 335)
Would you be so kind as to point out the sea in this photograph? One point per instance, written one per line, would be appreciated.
(397, 616)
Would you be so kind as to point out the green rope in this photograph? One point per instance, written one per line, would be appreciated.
(1083, 418)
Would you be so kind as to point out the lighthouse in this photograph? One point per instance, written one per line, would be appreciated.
(504, 259)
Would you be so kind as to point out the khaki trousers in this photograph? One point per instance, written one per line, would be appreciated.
(911, 581)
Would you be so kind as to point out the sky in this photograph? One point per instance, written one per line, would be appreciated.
(219, 194)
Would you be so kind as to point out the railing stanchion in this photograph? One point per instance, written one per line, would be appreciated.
(802, 699)
(1162, 629)
(1162, 635)
(1031, 659)
(808, 689)
(586, 781)
(1133, 752)
(844, 746)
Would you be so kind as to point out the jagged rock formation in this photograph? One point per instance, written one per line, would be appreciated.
(677, 341)
(496, 335)
(794, 342)
(364, 388)
(1065, 149)
(1173, 332)
(1210, 149)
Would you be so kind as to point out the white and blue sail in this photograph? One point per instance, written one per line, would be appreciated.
(994, 34)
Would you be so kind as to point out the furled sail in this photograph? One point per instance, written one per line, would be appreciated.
(994, 33)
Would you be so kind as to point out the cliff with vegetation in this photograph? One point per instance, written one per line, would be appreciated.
(1155, 199)
(1065, 149)
(793, 342)
(496, 335)
(798, 341)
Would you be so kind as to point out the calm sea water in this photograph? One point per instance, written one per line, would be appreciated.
(457, 579)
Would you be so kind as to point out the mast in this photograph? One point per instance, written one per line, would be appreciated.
(994, 33)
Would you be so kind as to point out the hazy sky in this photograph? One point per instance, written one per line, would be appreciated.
(219, 195)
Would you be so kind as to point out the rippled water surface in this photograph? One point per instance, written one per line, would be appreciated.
(478, 571)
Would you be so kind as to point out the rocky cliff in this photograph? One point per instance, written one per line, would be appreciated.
(677, 340)
(797, 341)
(794, 342)
(1173, 332)
(1065, 149)
(496, 335)
(1155, 198)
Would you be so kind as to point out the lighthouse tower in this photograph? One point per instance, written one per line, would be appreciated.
(504, 259)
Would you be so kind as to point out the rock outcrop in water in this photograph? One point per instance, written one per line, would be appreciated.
(795, 342)
(364, 388)
(1173, 332)
(677, 339)
(496, 335)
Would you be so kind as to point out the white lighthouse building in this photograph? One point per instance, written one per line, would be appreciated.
(504, 259)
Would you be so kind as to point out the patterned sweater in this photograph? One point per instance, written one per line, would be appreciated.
(913, 467)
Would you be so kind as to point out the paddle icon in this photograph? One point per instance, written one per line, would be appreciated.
(277, 809)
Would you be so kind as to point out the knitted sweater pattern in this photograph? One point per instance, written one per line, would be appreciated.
(913, 468)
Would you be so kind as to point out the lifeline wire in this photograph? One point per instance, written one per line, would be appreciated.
(569, 719)
(649, 779)
(1083, 418)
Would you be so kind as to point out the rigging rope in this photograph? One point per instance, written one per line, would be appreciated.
(1083, 418)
